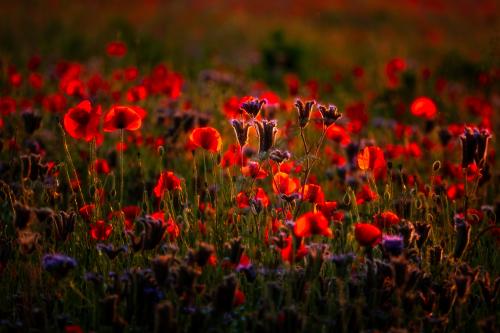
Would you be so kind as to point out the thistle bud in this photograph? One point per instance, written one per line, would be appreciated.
(266, 130)
(330, 115)
(304, 111)
(253, 106)
(241, 131)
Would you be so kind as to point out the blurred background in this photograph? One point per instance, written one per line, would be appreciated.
(263, 39)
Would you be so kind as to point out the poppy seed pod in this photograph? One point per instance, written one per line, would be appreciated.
(253, 106)
(304, 111)
(330, 115)
(266, 130)
(241, 131)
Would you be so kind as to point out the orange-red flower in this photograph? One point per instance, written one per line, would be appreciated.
(313, 193)
(123, 117)
(372, 158)
(168, 181)
(287, 251)
(207, 138)
(284, 184)
(312, 224)
(385, 219)
(367, 234)
(82, 121)
(423, 107)
(329, 210)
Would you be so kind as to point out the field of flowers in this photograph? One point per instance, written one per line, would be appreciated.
(287, 184)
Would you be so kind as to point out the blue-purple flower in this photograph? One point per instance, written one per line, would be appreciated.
(57, 264)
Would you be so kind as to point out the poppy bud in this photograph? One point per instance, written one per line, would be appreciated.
(253, 106)
(304, 111)
(241, 131)
(266, 130)
(330, 115)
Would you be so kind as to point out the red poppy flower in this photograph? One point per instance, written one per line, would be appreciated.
(254, 170)
(242, 200)
(312, 224)
(313, 193)
(338, 134)
(233, 156)
(116, 49)
(167, 181)
(287, 251)
(82, 121)
(262, 196)
(130, 213)
(329, 210)
(367, 234)
(7, 105)
(207, 138)
(173, 230)
(365, 195)
(239, 298)
(101, 166)
(100, 230)
(372, 158)
(87, 211)
(423, 107)
(122, 117)
(284, 184)
(385, 219)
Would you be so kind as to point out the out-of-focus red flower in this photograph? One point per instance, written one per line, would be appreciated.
(116, 49)
(372, 158)
(367, 234)
(101, 166)
(455, 191)
(313, 193)
(136, 94)
(242, 200)
(7, 105)
(173, 230)
(36, 80)
(287, 251)
(365, 194)
(338, 134)
(392, 70)
(207, 138)
(100, 230)
(292, 82)
(168, 181)
(424, 107)
(385, 219)
(239, 298)
(262, 196)
(253, 170)
(130, 213)
(87, 211)
(82, 121)
(122, 117)
(73, 329)
(284, 184)
(233, 156)
(312, 224)
(329, 210)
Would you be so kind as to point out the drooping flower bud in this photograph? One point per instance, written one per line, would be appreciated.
(304, 111)
(330, 115)
(241, 131)
(253, 106)
(266, 130)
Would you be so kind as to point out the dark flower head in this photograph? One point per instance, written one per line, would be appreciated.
(110, 250)
(393, 245)
(483, 137)
(57, 264)
(32, 120)
(241, 131)
(266, 130)
(330, 115)
(304, 111)
(253, 106)
(279, 156)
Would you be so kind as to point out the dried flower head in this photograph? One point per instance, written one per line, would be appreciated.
(253, 106)
(266, 130)
(241, 130)
(330, 115)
